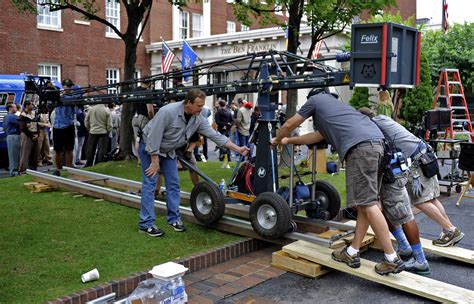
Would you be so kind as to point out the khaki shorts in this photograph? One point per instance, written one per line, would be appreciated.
(364, 174)
(430, 187)
(395, 202)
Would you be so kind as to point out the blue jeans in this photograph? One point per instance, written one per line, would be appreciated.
(243, 139)
(13, 146)
(169, 169)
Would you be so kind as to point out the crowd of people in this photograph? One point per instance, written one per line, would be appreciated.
(70, 128)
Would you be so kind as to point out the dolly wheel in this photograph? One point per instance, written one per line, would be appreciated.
(329, 199)
(270, 215)
(207, 202)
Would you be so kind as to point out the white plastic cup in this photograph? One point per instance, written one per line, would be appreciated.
(90, 276)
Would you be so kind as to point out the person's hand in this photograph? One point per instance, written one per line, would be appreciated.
(274, 141)
(35, 137)
(284, 141)
(153, 169)
(244, 150)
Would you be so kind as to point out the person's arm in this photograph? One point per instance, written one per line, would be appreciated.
(154, 167)
(150, 110)
(244, 150)
(221, 140)
(87, 121)
(287, 127)
(307, 139)
(108, 117)
(239, 118)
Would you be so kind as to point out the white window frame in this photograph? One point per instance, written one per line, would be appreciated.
(47, 19)
(112, 15)
(197, 25)
(183, 28)
(112, 76)
(51, 70)
(244, 28)
(231, 27)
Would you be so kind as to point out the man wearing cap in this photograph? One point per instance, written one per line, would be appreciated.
(64, 133)
(363, 152)
(242, 122)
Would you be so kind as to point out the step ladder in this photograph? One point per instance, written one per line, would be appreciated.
(450, 95)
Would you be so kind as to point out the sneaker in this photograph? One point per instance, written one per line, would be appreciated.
(449, 238)
(419, 268)
(341, 255)
(153, 231)
(57, 173)
(405, 254)
(386, 267)
(178, 226)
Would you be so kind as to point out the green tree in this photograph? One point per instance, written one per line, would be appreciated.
(454, 49)
(419, 99)
(360, 98)
(326, 18)
(138, 12)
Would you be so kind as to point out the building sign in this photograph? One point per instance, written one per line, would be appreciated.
(246, 48)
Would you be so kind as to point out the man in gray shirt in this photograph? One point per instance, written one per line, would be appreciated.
(425, 199)
(359, 142)
(170, 129)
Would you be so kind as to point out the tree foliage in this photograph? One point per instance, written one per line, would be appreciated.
(454, 49)
(419, 99)
(360, 98)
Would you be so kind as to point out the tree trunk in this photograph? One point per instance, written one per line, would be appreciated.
(126, 131)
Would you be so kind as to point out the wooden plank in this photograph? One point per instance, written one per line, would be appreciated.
(368, 239)
(284, 261)
(409, 282)
(453, 252)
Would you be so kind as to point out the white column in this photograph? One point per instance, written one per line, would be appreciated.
(176, 22)
(206, 16)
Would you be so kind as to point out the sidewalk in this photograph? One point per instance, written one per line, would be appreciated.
(229, 278)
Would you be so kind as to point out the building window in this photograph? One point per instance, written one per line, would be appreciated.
(230, 27)
(244, 28)
(183, 25)
(50, 70)
(112, 15)
(113, 76)
(197, 25)
(46, 17)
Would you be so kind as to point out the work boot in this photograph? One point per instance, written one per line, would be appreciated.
(419, 268)
(449, 238)
(386, 267)
(341, 255)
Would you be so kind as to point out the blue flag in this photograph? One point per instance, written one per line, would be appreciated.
(188, 60)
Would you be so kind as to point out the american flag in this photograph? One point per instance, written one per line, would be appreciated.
(167, 58)
(317, 48)
(445, 22)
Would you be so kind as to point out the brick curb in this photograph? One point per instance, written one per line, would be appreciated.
(125, 286)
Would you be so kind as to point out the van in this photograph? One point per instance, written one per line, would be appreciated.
(12, 89)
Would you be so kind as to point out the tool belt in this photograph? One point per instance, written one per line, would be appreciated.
(425, 158)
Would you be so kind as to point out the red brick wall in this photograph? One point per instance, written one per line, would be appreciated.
(407, 8)
(77, 47)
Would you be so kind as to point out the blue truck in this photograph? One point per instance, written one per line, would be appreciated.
(12, 89)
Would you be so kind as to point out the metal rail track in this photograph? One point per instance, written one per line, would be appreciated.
(227, 223)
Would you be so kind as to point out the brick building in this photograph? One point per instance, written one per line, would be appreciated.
(62, 44)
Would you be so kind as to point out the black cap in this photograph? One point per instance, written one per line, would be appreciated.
(317, 91)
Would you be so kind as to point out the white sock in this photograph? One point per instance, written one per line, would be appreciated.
(351, 251)
(391, 257)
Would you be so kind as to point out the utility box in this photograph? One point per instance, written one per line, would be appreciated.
(385, 55)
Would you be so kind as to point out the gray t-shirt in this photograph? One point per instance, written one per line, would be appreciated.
(168, 130)
(397, 135)
(339, 123)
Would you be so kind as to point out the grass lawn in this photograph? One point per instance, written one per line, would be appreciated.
(47, 240)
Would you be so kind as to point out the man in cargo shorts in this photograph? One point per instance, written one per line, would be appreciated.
(422, 190)
(363, 152)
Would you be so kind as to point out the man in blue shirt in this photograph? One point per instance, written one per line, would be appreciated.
(12, 129)
(64, 132)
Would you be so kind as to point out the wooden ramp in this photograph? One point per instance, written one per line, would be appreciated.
(452, 252)
(412, 283)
